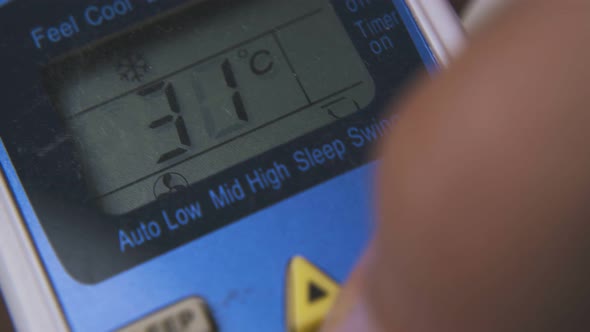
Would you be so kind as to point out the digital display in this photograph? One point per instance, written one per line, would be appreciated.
(181, 122)
(174, 102)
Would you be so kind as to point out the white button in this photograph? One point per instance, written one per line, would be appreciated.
(190, 315)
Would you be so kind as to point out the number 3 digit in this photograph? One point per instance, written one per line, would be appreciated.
(175, 118)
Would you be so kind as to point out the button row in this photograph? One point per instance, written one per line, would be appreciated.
(189, 315)
(310, 295)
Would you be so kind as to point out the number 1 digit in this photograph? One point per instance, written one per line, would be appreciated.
(230, 80)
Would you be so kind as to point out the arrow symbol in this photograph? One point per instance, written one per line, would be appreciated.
(315, 292)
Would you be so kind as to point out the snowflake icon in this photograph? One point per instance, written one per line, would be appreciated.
(132, 67)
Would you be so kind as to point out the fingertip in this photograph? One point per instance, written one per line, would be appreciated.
(352, 315)
(351, 312)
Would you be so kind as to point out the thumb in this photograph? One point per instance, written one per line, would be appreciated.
(351, 314)
(483, 190)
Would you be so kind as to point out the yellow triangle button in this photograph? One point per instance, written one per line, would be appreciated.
(310, 296)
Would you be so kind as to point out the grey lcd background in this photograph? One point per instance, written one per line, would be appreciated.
(313, 64)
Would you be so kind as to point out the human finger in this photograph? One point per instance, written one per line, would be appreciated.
(484, 184)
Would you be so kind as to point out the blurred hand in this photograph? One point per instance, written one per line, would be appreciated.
(484, 189)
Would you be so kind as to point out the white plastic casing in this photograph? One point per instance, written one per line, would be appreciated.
(440, 26)
(28, 293)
